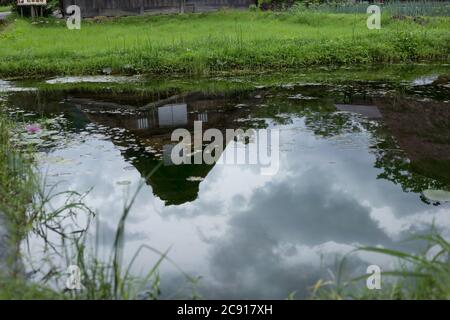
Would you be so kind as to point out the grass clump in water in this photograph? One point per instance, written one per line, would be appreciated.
(26, 210)
(18, 186)
(424, 276)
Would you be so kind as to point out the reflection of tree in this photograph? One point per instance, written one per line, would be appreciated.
(320, 114)
(422, 130)
(332, 124)
(322, 118)
(398, 168)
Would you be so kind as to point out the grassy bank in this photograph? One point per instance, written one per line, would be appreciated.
(215, 42)
(5, 8)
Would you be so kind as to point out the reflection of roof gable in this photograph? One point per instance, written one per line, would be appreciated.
(160, 117)
(154, 123)
(172, 115)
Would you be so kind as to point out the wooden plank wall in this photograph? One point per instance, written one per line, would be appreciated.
(92, 8)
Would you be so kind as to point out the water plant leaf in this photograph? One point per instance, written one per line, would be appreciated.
(437, 195)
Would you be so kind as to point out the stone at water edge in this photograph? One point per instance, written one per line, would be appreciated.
(107, 71)
(437, 195)
(57, 14)
(442, 80)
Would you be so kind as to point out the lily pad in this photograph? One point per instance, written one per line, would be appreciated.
(437, 195)
(123, 183)
(194, 179)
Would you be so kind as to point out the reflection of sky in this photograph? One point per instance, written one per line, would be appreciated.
(248, 235)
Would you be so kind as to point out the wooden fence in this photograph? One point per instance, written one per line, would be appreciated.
(92, 8)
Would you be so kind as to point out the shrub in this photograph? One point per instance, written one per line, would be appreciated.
(51, 6)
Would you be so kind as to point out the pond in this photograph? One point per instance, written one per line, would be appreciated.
(364, 160)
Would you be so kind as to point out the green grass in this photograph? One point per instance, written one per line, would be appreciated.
(5, 8)
(422, 276)
(17, 187)
(214, 42)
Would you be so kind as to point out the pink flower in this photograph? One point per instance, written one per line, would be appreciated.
(33, 128)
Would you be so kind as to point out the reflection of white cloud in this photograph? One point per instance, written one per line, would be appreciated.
(399, 227)
(252, 236)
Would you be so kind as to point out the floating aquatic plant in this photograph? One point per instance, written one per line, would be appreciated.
(437, 195)
(33, 128)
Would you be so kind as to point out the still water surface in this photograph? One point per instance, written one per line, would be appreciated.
(355, 160)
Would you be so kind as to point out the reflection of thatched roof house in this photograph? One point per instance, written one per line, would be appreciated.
(92, 8)
(157, 120)
(153, 125)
